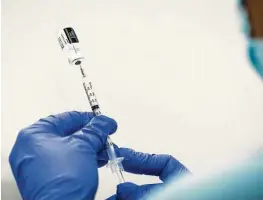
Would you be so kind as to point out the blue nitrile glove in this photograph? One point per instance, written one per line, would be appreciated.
(164, 166)
(56, 158)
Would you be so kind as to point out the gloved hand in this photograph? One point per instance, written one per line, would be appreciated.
(56, 158)
(164, 166)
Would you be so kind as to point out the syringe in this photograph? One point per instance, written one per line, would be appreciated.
(69, 43)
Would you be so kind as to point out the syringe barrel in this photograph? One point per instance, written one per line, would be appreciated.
(110, 150)
(69, 43)
(90, 93)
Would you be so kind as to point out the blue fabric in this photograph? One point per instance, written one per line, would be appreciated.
(164, 166)
(56, 157)
(255, 54)
(243, 181)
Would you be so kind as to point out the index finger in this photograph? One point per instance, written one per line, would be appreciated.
(160, 165)
(63, 124)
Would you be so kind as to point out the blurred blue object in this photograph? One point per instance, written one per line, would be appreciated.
(255, 46)
(255, 54)
(56, 158)
(164, 166)
(243, 181)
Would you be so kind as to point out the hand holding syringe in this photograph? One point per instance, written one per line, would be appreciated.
(69, 43)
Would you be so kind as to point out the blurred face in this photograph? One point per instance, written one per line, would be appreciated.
(253, 10)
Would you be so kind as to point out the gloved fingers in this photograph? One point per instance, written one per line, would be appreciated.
(160, 165)
(131, 191)
(103, 156)
(97, 131)
(63, 124)
(102, 163)
(113, 197)
(127, 190)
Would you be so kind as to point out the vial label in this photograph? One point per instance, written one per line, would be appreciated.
(71, 35)
(61, 43)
